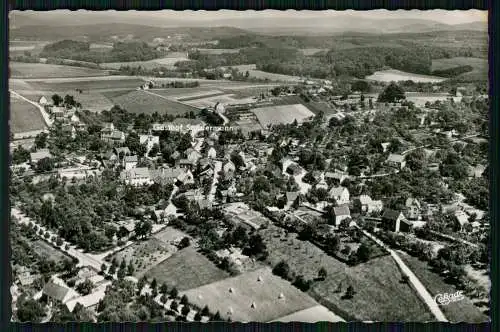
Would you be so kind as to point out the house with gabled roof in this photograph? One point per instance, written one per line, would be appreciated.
(340, 213)
(129, 162)
(395, 221)
(339, 194)
(57, 293)
(136, 176)
(396, 160)
(40, 154)
(365, 204)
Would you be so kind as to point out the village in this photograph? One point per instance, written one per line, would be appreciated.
(227, 196)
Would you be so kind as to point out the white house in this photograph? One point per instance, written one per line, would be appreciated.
(396, 160)
(341, 213)
(136, 176)
(412, 208)
(212, 153)
(339, 194)
(35, 157)
(229, 167)
(364, 203)
(192, 155)
(129, 162)
(149, 141)
(43, 101)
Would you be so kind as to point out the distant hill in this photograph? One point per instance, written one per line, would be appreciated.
(119, 31)
(102, 25)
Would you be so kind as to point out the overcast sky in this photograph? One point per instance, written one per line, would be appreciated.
(442, 16)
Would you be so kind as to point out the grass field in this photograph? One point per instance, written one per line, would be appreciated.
(455, 312)
(148, 103)
(273, 115)
(379, 295)
(218, 51)
(41, 70)
(170, 234)
(24, 116)
(480, 66)
(95, 83)
(253, 72)
(90, 100)
(398, 75)
(211, 101)
(247, 289)
(145, 255)
(167, 61)
(315, 314)
(186, 269)
(45, 250)
(312, 51)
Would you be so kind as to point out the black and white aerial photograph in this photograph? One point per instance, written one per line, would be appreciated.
(249, 166)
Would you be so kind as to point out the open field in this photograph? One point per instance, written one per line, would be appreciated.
(90, 100)
(273, 115)
(147, 102)
(397, 75)
(313, 106)
(479, 72)
(182, 93)
(218, 51)
(315, 314)
(253, 72)
(459, 311)
(247, 289)
(24, 116)
(379, 294)
(145, 255)
(86, 83)
(170, 234)
(312, 51)
(42, 70)
(419, 99)
(167, 61)
(186, 269)
(45, 250)
(224, 99)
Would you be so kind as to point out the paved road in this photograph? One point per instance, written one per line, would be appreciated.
(45, 115)
(417, 285)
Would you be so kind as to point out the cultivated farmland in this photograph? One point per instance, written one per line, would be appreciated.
(233, 297)
(186, 269)
(379, 294)
(24, 116)
(253, 72)
(41, 70)
(283, 114)
(149, 102)
(398, 75)
(218, 51)
(167, 62)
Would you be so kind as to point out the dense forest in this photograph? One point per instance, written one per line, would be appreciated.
(75, 50)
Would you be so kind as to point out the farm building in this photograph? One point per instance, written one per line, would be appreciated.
(341, 213)
(364, 203)
(136, 176)
(57, 293)
(35, 157)
(395, 221)
(396, 161)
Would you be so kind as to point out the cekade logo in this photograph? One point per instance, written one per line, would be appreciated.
(447, 298)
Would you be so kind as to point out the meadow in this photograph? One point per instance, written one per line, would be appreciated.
(398, 75)
(24, 116)
(274, 115)
(479, 65)
(168, 61)
(42, 70)
(379, 295)
(233, 297)
(186, 269)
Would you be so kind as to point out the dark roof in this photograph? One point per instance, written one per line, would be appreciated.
(55, 291)
(391, 214)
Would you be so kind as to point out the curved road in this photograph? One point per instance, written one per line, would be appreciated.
(45, 115)
(417, 285)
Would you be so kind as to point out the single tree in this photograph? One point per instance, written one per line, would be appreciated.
(184, 299)
(322, 273)
(185, 310)
(174, 293)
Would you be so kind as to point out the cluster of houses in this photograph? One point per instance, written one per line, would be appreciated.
(70, 122)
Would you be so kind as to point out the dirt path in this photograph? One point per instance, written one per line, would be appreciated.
(45, 115)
